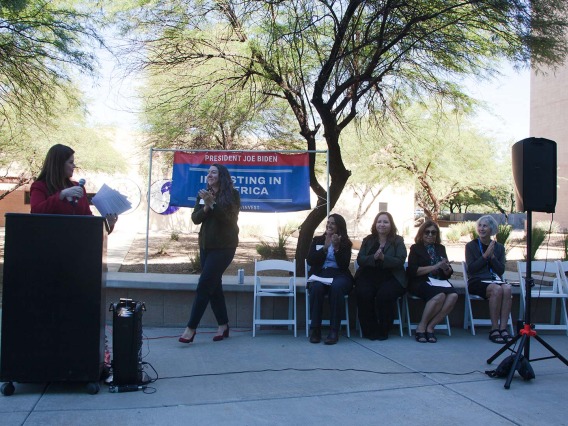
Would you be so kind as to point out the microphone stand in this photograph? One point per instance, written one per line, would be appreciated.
(526, 330)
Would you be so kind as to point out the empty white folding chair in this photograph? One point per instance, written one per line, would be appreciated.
(548, 284)
(468, 318)
(270, 286)
(344, 321)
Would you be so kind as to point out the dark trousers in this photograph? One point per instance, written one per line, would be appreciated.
(376, 304)
(341, 285)
(210, 288)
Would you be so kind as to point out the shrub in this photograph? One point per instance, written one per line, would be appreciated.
(565, 247)
(550, 227)
(268, 250)
(194, 262)
(503, 233)
(453, 235)
(537, 238)
(174, 236)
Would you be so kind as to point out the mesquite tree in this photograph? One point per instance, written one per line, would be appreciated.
(333, 60)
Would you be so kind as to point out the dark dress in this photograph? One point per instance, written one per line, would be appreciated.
(418, 284)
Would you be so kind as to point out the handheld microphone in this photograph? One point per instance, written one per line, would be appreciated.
(82, 185)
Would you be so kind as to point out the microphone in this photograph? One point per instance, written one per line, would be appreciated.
(82, 185)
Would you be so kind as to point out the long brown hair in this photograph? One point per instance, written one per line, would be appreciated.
(393, 231)
(226, 197)
(53, 170)
(341, 226)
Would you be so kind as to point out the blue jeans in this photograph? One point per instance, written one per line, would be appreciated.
(210, 288)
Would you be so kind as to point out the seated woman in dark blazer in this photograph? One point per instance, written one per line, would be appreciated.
(329, 257)
(427, 258)
(380, 279)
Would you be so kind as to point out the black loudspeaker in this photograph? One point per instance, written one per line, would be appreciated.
(127, 342)
(534, 171)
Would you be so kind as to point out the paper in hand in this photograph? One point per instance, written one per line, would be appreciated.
(438, 283)
(110, 201)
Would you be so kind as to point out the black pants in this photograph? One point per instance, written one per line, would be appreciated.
(341, 285)
(210, 288)
(376, 304)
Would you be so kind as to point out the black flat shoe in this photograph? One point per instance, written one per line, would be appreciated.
(315, 335)
(331, 338)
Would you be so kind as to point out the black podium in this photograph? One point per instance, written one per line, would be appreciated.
(53, 313)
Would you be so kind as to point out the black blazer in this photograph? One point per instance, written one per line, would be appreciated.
(418, 257)
(316, 258)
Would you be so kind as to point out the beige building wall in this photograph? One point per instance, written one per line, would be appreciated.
(549, 119)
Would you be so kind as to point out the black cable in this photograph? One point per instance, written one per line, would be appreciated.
(356, 370)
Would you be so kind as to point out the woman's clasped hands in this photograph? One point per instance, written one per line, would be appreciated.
(207, 197)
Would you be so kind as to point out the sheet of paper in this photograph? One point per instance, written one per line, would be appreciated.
(110, 201)
(438, 283)
(322, 280)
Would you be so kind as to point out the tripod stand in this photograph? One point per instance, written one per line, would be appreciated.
(528, 330)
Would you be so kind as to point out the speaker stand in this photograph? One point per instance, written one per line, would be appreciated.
(527, 331)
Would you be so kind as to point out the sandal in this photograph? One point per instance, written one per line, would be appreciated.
(495, 336)
(420, 337)
(431, 337)
(506, 336)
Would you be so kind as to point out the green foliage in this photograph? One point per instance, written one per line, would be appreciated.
(194, 262)
(453, 235)
(174, 236)
(503, 236)
(565, 247)
(550, 227)
(40, 42)
(268, 250)
(424, 145)
(464, 228)
(503, 233)
(23, 146)
(276, 250)
(330, 62)
(538, 236)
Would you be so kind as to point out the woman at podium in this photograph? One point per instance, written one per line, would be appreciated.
(53, 191)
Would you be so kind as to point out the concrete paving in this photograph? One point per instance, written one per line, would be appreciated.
(275, 378)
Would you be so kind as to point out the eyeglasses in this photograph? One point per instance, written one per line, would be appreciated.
(430, 232)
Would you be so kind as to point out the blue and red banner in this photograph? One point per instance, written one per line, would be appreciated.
(267, 181)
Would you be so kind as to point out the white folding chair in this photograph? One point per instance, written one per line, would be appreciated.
(468, 319)
(562, 272)
(398, 321)
(344, 322)
(549, 284)
(412, 325)
(282, 286)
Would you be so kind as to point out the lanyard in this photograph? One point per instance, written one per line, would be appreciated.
(481, 251)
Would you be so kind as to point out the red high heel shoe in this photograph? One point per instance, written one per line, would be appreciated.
(184, 340)
(222, 336)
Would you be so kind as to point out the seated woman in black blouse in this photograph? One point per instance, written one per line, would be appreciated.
(427, 259)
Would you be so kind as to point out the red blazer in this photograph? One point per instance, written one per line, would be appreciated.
(42, 202)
